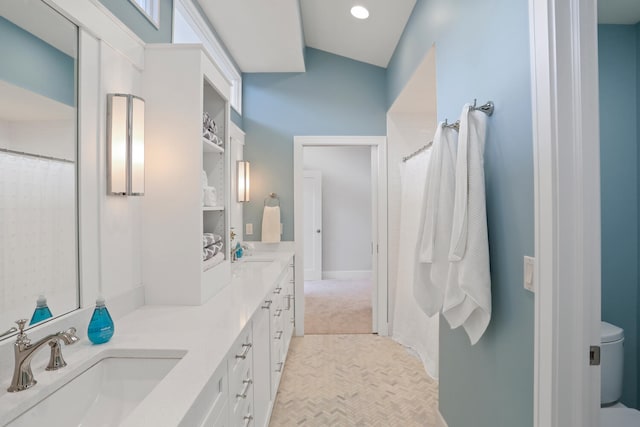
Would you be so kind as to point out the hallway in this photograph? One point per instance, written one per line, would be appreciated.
(353, 380)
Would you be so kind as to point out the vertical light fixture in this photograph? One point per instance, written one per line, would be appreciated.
(125, 145)
(244, 180)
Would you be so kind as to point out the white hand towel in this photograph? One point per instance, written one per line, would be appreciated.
(467, 300)
(271, 224)
(434, 234)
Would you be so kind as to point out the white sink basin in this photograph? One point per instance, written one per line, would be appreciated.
(102, 395)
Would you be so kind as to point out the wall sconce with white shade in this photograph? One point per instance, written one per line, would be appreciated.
(125, 145)
(244, 180)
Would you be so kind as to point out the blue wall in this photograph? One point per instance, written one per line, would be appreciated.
(482, 51)
(618, 51)
(237, 118)
(133, 18)
(335, 96)
(31, 63)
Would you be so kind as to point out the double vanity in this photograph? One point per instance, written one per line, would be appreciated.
(216, 364)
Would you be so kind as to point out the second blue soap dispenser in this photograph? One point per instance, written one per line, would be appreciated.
(101, 325)
(41, 312)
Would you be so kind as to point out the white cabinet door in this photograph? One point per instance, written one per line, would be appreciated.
(312, 225)
(262, 363)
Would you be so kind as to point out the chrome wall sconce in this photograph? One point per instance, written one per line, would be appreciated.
(125, 145)
(244, 180)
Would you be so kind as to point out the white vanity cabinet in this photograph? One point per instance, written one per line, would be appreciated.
(281, 327)
(262, 399)
(181, 83)
(241, 378)
(243, 390)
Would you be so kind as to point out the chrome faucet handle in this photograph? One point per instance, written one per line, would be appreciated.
(21, 324)
(22, 338)
(55, 359)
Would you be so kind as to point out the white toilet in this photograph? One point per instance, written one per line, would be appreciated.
(612, 365)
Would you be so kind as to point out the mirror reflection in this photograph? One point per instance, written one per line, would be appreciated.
(38, 163)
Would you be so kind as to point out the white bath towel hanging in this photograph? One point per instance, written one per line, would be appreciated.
(271, 224)
(467, 300)
(434, 234)
(411, 326)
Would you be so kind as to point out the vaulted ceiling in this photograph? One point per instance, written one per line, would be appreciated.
(270, 36)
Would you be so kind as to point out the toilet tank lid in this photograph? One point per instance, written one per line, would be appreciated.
(610, 333)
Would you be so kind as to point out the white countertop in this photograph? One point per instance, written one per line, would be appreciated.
(204, 334)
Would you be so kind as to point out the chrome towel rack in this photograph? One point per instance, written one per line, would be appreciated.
(486, 108)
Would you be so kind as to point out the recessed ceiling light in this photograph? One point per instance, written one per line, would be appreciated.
(360, 12)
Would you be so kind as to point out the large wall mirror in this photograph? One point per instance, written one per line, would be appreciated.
(38, 163)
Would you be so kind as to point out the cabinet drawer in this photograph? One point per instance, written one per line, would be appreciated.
(244, 416)
(241, 352)
(241, 387)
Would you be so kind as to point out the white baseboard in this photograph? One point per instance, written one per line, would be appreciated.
(440, 422)
(346, 275)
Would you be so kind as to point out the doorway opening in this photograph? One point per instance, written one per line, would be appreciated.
(340, 229)
(338, 256)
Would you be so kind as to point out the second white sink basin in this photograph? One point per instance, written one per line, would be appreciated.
(102, 395)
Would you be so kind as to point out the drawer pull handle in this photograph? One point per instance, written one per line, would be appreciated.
(289, 302)
(279, 335)
(278, 313)
(245, 350)
(277, 290)
(267, 304)
(243, 393)
(247, 420)
(280, 365)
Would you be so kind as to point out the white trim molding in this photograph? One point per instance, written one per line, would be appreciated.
(213, 46)
(563, 37)
(440, 421)
(299, 142)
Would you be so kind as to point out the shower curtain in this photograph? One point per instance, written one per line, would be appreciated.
(411, 326)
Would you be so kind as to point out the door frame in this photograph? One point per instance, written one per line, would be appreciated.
(317, 175)
(566, 142)
(380, 142)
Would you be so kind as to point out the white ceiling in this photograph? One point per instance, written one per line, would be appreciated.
(329, 26)
(270, 36)
(262, 36)
(25, 105)
(618, 11)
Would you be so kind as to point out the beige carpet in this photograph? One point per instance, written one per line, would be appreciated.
(337, 307)
(353, 380)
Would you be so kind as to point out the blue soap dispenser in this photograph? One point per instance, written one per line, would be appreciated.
(41, 312)
(101, 325)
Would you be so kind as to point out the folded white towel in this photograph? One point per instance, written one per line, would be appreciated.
(434, 234)
(271, 224)
(467, 299)
(210, 196)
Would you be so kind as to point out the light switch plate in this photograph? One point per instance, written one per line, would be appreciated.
(248, 229)
(528, 270)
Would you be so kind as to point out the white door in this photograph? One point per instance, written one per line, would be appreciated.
(312, 225)
(374, 239)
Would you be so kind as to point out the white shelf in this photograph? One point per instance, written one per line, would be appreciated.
(213, 208)
(210, 147)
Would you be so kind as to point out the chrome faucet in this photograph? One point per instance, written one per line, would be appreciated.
(24, 352)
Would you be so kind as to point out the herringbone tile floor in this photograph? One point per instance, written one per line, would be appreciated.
(353, 380)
